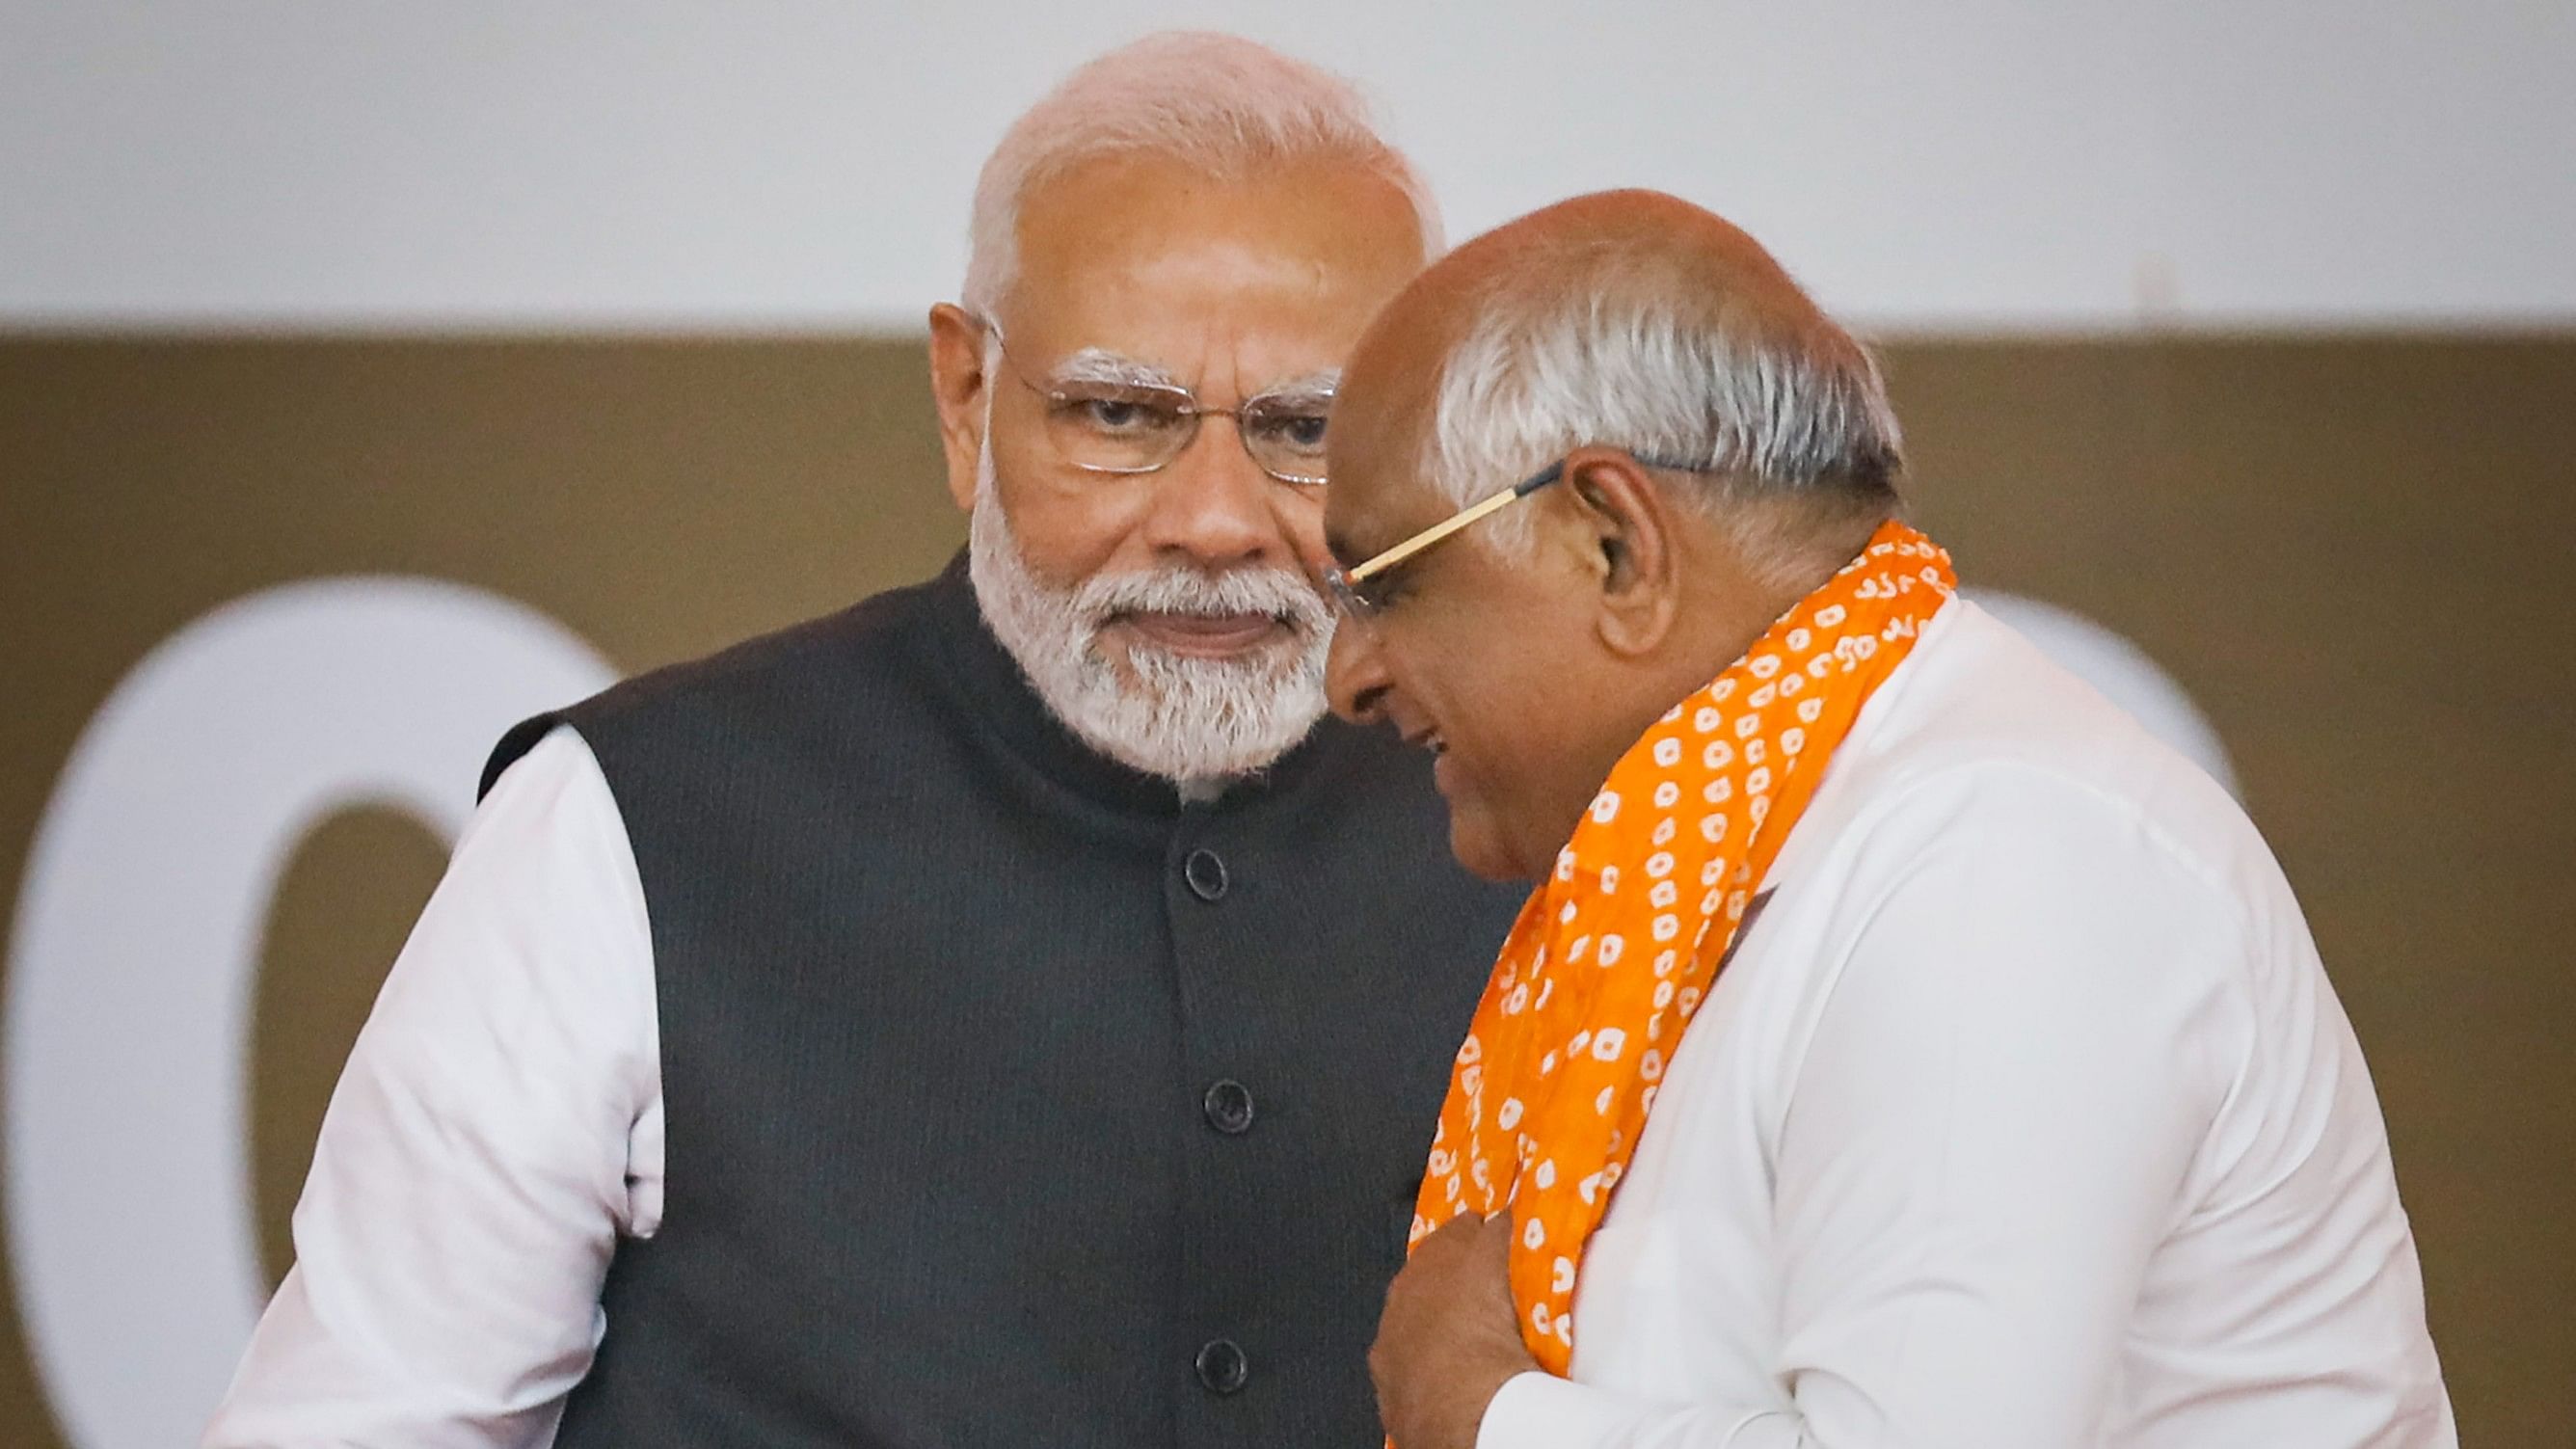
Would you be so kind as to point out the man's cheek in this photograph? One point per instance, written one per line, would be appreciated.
(1066, 546)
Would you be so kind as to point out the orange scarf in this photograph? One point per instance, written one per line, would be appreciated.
(1612, 955)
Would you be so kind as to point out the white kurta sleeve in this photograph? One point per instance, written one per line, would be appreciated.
(1984, 1142)
(497, 1127)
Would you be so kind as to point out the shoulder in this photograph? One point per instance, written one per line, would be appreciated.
(831, 653)
(867, 652)
(2001, 864)
(1981, 740)
(2005, 820)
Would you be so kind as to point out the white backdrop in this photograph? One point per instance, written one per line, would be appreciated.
(1973, 165)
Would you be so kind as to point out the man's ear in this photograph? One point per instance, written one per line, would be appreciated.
(1632, 547)
(957, 388)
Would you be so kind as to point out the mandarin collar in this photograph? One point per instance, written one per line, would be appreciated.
(994, 696)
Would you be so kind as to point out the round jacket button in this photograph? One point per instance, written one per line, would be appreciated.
(1228, 1105)
(1205, 873)
(1222, 1367)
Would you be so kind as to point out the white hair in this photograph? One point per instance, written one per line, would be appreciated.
(1223, 104)
(1599, 344)
(1196, 722)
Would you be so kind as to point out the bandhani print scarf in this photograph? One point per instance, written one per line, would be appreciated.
(1612, 955)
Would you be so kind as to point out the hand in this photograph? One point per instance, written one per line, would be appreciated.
(1449, 1338)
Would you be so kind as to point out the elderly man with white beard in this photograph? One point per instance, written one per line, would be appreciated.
(1000, 1013)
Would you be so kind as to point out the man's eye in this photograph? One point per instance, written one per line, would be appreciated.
(1296, 432)
(1122, 416)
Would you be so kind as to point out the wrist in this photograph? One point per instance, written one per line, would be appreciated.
(1487, 1394)
(1476, 1398)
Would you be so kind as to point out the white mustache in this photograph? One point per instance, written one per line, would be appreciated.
(1280, 594)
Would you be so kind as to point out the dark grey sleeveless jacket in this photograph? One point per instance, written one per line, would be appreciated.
(1010, 1102)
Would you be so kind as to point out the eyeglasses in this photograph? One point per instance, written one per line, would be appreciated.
(1134, 426)
(1344, 584)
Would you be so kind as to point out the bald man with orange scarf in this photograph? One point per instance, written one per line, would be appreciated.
(1900, 1047)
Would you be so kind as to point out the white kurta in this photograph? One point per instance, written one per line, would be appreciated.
(2025, 1118)
(497, 1130)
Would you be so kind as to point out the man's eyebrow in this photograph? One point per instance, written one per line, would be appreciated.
(1100, 365)
(1314, 387)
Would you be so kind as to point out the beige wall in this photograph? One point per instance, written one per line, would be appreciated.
(779, 163)
(2347, 551)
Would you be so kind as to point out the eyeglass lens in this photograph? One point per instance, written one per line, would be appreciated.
(1117, 428)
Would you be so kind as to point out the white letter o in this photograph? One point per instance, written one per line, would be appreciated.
(137, 939)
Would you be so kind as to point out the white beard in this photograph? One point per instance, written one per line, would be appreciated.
(1196, 722)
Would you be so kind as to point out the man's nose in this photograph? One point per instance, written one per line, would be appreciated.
(1216, 505)
(1355, 677)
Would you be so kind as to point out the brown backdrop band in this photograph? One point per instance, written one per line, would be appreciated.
(2348, 551)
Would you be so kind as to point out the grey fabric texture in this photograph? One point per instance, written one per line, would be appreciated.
(996, 1107)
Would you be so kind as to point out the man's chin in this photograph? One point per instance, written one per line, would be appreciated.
(1480, 847)
(1187, 718)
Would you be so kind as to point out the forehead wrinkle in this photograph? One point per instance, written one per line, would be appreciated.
(1224, 365)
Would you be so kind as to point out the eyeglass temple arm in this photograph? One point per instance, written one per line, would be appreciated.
(1452, 524)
